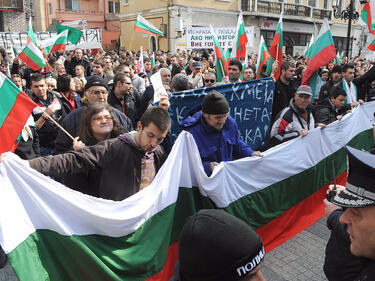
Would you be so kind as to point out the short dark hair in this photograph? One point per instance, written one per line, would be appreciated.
(237, 63)
(146, 59)
(120, 78)
(63, 83)
(286, 65)
(100, 62)
(158, 116)
(36, 77)
(337, 91)
(347, 66)
(336, 68)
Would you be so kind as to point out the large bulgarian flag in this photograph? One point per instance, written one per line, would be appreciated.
(15, 109)
(263, 56)
(276, 49)
(324, 51)
(142, 25)
(240, 41)
(51, 232)
(55, 43)
(221, 62)
(368, 15)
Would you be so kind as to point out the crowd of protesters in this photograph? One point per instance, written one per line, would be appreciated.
(114, 136)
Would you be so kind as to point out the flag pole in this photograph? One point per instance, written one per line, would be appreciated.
(57, 124)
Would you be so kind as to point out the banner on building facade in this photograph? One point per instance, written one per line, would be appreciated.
(250, 105)
(91, 39)
(201, 38)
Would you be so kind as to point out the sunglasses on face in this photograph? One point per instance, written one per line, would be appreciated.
(210, 81)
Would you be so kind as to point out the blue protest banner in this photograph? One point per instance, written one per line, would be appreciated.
(250, 105)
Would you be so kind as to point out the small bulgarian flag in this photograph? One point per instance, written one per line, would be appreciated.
(276, 49)
(263, 56)
(30, 34)
(368, 15)
(371, 46)
(153, 61)
(221, 62)
(338, 58)
(74, 34)
(56, 43)
(240, 41)
(15, 109)
(32, 56)
(142, 25)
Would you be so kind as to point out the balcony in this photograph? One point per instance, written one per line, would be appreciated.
(89, 16)
(265, 7)
(321, 14)
(13, 5)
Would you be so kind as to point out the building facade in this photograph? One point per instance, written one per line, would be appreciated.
(101, 14)
(301, 19)
(14, 15)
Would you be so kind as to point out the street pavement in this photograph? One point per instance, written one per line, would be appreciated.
(299, 259)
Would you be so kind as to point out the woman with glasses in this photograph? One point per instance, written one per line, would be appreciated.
(97, 124)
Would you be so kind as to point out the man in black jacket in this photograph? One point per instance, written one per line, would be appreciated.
(284, 88)
(78, 59)
(332, 108)
(123, 98)
(95, 91)
(51, 104)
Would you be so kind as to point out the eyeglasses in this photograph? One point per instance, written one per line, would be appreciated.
(210, 80)
(98, 92)
(102, 118)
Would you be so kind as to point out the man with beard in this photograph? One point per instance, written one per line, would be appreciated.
(284, 88)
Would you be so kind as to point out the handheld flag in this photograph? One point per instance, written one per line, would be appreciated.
(56, 43)
(338, 58)
(74, 34)
(30, 34)
(153, 61)
(371, 47)
(141, 66)
(263, 56)
(32, 56)
(276, 50)
(221, 62)
(368, 15)
(311, 47)
(142, 25)
(239, 49)
(324, 51)
(15, 109)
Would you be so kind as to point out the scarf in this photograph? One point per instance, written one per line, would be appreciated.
(351, 92)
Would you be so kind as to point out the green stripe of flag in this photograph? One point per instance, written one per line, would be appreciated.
(33, 56)
(7, 101)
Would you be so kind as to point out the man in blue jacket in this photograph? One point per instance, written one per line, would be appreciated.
(215, 132)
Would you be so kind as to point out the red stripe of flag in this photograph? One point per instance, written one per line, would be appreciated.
(297, 218)
(15, 121)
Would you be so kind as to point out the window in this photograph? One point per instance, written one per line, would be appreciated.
(50, 8)
(312, 3)
(72, 5)
(297, 2)
(113, 7)
(326, 4)
(126, 2)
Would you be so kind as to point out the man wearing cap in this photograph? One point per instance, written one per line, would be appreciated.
(295, 120)
(196, 77)
(234, 254)
(96, 90)
(215, 132)
(358, 200)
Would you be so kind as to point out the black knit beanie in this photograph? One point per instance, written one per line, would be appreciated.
(216, 246)
(215, 103)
